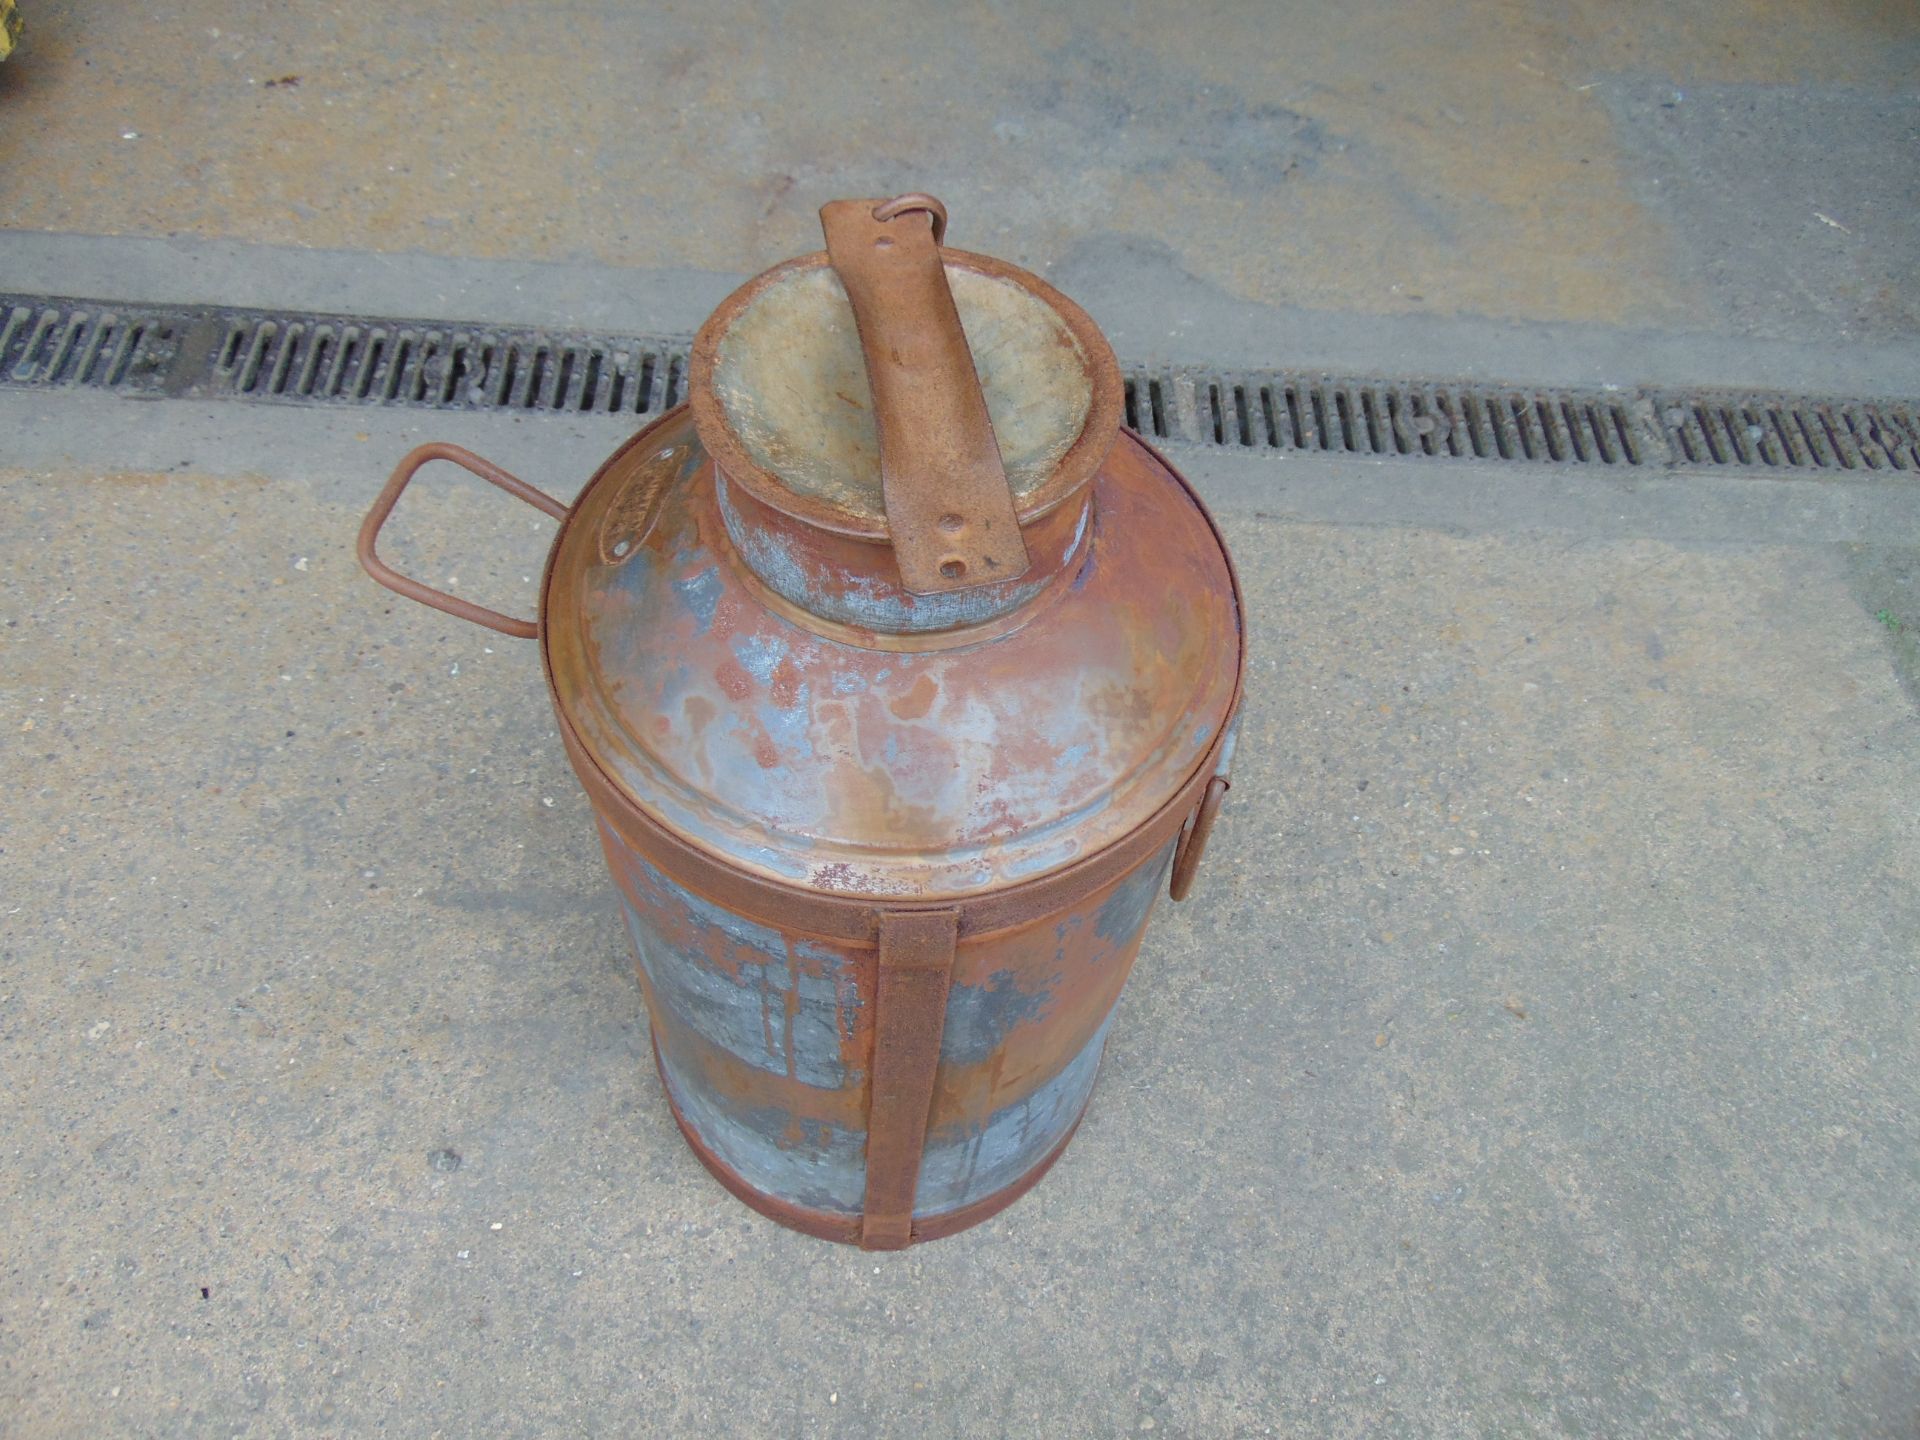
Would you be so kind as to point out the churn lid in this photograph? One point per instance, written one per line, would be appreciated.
(900, 610)
(937, 403)
(788, 402)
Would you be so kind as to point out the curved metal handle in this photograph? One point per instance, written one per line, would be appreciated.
(950, 510)
(1193, 844)
(413, 589)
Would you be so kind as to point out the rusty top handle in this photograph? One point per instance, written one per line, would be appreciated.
(950, 510)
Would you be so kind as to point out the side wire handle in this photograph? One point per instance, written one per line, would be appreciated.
(1193, 841)
(400, 584)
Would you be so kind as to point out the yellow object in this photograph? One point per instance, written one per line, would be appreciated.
(10, 27)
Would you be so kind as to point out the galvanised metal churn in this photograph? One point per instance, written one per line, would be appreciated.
(901, 678)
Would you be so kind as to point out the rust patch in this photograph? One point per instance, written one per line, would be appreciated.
(787, 684)
(918, 700)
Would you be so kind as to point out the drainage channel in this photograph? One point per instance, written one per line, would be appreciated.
(303, 358)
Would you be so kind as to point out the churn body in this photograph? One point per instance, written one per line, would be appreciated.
(887, 794)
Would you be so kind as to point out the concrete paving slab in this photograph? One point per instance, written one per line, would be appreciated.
(1442, 157)
(1537, 1055)
(1792, 204)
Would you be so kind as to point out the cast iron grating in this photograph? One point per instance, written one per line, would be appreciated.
(215, 352)
(333, 359)
(1778, 431)
(55, 342)
(1335, 415)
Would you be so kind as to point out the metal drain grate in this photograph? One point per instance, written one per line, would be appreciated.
(335, 360)
(332, 359)
(316, 359)
(63, 342)
(1778, 431)
(1329, 414)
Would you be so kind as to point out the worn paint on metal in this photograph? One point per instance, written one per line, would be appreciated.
(765, 1038)
(963, 1164)
(780, 1003)
(873, 769)
(886, 765)
(746, 707)
(809, 1163)
(774, 1017)
(870, 599)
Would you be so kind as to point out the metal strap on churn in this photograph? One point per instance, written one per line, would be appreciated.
(951, 516)
(916, 960)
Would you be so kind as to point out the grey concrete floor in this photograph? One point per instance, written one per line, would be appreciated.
(1652, 163)
(1538, 1053)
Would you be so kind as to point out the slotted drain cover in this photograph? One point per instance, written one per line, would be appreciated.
(1323, 414)
(1768, 431)
(65, 342)
(318, 359)
(309, 359)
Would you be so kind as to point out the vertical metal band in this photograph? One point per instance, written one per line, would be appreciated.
(910, 1013)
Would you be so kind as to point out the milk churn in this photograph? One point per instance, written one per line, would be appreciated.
(902, 678)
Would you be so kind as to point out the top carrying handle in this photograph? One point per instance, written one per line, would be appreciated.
(949, 506)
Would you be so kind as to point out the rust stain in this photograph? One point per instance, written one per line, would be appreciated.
(918, 700)
(787, 683)
(733, 681)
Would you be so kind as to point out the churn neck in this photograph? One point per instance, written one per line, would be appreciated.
(904, 435)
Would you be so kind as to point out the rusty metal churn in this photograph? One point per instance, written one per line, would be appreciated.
(902, 679)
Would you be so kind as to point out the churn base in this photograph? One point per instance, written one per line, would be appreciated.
(826, 1225)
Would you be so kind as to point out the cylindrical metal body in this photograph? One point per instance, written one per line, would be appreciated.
(886, 855)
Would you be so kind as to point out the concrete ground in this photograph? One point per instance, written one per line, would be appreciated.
(1538, 1052)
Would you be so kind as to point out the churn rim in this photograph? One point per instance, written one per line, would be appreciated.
(1075, 469)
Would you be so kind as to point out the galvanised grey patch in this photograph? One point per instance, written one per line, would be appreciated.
(861, 602)
(980, 1017)
(700, 594)
(1123, 914)
(747, 1013)
(808, 1163)
(961, 1167)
